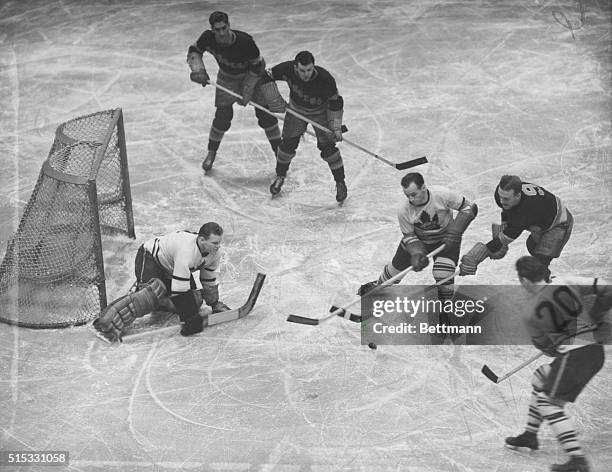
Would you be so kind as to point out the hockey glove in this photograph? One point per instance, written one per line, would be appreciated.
(193, 325)
(419, 261)
(200, 77)
(219, 307)
(603, 333)
(544, 344)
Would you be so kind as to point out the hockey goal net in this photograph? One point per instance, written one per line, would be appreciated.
(52, 275)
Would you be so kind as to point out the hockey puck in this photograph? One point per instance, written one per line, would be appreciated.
(372, 346)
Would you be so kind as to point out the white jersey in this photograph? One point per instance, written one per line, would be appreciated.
(178, 254)
(428, 222)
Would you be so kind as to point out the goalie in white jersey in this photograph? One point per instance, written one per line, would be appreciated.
(426, 221)
(164, 269)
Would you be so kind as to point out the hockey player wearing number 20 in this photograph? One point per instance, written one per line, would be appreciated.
(242, 70)
(426, 221)
(313, 94)
(525, 206)
(164, 269)
(555, 315)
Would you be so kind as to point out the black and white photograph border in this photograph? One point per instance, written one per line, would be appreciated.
(481, 88)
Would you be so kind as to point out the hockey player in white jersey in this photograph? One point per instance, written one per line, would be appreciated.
(426, 221)
(164, 268)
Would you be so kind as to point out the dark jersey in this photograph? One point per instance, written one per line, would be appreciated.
(557, 311)
(235, 58)
(538, 210)
(310, 95)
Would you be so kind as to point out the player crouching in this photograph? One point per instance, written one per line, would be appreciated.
(164, 267)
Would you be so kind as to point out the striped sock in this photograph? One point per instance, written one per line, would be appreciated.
(561, 425)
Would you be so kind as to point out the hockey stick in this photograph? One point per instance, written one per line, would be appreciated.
(210, 320)
(359, 319)
(400, 166)
(489, 374)
(342, 311)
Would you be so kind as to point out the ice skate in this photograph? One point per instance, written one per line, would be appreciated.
(276, 186)
(341, 192)
(575, 464)
(208, 162)
(526, 439)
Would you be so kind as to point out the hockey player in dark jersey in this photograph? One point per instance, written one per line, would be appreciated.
(241, 69)
(313, 93)
(556, 315)
(529, 207)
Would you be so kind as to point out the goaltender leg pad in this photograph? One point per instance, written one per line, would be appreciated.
(122, 312)
(187, 304)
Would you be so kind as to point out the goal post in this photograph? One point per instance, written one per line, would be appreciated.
(52, 275)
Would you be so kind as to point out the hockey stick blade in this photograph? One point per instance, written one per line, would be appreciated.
(352, 316)
(489, 374)
(412, 163)
(302, 320)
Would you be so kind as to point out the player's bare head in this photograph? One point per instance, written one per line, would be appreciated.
(414, 188)
(219, 23)
(531, 271)
(509, 191)
(209, 237)
(413, 178)
(511, 182)
(304, 65)
(210, 228)
(218, 17)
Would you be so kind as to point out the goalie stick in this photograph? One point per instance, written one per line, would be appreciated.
(489, 374)
(342, 311)
(210, 320)
(401, 166)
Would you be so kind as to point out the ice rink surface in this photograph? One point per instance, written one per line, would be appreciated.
(482, 88)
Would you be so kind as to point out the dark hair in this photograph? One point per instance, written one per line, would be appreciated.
(218, 17)
(304, 58)
(412, 177)
(511, 182)
(210, 228)
(531, 268)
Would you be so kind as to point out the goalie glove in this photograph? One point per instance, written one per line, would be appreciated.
(470, 261)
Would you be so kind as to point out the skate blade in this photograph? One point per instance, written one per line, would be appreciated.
(521, 449)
